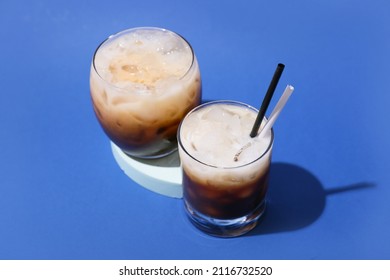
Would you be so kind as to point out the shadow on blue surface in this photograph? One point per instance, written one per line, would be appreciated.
(296, 199)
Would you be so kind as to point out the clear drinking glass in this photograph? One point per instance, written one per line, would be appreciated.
(225, 180)
(143, 81)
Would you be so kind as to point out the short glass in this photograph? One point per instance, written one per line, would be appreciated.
(143, 81)
(221, 199)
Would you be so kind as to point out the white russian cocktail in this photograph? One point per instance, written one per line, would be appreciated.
(143, 82)
(224, 186)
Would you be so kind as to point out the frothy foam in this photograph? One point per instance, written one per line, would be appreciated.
(147, 59)
(214, 134)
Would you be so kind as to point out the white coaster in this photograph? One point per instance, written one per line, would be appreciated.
(162, 176)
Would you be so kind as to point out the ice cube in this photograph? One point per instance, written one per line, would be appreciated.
(234, 126)
(130, 68)
(215, 114)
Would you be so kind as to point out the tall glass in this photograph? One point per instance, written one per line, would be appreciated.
(225, 179)
(143, 81)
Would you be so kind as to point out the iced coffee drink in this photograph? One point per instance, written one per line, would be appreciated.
(225, 179)
(143, 82)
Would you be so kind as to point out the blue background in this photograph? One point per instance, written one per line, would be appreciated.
(62, 195)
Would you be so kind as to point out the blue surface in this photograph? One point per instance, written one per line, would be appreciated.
(62, 195)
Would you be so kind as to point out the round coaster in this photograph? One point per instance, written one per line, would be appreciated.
(162, 175)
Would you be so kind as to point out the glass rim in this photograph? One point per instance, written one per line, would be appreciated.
(233, 102)
(129, 30)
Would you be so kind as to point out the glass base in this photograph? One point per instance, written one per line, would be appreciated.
(155, 150)
(225, 228)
